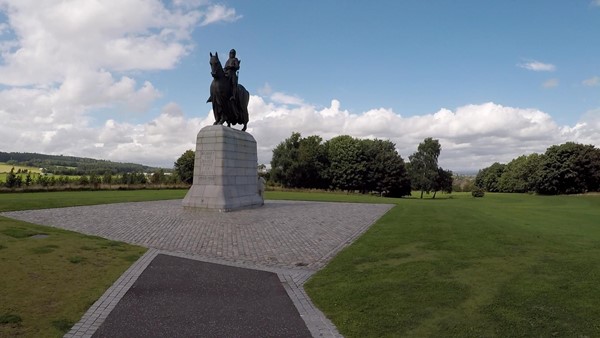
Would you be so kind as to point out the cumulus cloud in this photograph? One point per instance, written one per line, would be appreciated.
(537, 66)
(593, 81)
(216, 13)
(472, 136)
(53, 38)
(60, 61)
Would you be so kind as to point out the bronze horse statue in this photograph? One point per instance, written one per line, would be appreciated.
(226, 110)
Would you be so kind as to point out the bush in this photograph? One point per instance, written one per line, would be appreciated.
(477, 192)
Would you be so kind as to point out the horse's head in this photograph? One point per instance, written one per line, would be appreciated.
(216, 69)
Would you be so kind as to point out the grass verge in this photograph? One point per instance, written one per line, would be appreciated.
(44, 200)
(50, 277)
(501, 266)
(49, 281)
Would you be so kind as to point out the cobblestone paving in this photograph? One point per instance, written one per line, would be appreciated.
(293, 239)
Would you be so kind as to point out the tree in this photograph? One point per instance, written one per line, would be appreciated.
(312, 163)
(184, 166)
(107, 177)
(424, 165)
(158, 177)
(84, 180)
(348, 168)
(285, 161)
(386, 169)
(520, 174)
(569, 168)
(138, 178)
(63, 180)
(13, 180)
(443, 181)
(95, 180)
(300, 162)
(343, 163)
(488, 178)
(42, 180)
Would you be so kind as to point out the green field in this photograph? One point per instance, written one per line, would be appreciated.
(506, 265)
(5, 168)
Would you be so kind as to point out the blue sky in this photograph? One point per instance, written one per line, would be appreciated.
(491, 79)
(414, 56)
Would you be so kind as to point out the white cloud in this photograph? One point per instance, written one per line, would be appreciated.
(216, 13)
(53, 38)
(282, 98)
(537, 66)
(593, 81)
(596, 3)
(62, 60)
(550, 83)
(472, 136)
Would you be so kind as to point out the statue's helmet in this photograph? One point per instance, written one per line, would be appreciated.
(232, 52)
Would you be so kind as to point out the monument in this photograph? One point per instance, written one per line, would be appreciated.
(225, 165)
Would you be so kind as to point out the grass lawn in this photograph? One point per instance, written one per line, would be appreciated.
(506, 265)
(47, 284)
(43, 200)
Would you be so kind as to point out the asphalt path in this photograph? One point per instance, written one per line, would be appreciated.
(179, 297)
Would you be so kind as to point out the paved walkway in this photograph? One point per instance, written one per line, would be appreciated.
(291, 239)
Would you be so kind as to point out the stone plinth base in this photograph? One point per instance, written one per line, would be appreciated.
(225, 171)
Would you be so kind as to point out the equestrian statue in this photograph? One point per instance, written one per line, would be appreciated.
(229, 98)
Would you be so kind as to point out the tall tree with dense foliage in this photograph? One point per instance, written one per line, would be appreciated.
(569, 168)
(313, 162)
(386, 168)
(299, 162)
(348, 160)
(184, 166)
(284, 161)
(520, 174)
(423, 166)
(489, 177)
(343, 163)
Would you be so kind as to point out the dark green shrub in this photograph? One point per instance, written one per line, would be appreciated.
(477, 192)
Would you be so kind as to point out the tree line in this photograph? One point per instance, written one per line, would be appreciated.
(569, 168)
(28, 181)
(364, 165)
(71, 165)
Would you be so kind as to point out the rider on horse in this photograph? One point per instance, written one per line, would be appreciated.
(231, 68)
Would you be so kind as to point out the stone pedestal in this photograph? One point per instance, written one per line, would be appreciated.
(225, 171)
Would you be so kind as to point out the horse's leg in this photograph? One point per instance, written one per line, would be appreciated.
(215, 112)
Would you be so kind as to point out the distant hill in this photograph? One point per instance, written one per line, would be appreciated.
(71, 165)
